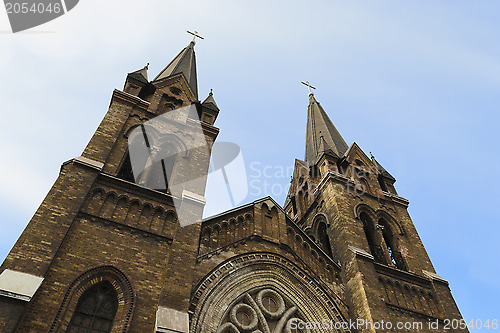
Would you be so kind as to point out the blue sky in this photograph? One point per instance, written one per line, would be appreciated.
(416, 83)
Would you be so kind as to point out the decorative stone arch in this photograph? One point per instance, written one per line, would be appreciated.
(365, 185)
(268, 204)
(319, 217)
(110, 274)
(369, 225)
(157, 220)
(235, 281)
(95, 200)
(135, 201)
(122, 199)
(376, 215)
(171, 215)
(109, 202)
(153, 134)
(205, 236)
(216, 230)
(364, 208)
(130, 130)
(320, 227)
(133, 212)
(381, 214)
(170, 148)
(177, 142)
(298, 239)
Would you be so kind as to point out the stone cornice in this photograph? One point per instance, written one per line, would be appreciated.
(84, 161)
(403, 275)
(397, 199)
(130, 99)
(435, 277)
(360, 252)
(344, 180)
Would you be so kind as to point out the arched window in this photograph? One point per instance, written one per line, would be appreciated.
(161, 170)
(369, 229)
(126, 172)
(323, 239)
(95, 310)
(141, 153)
(150, 158)
(396, 257)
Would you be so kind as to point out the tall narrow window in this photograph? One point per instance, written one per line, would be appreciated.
(141, 153)
(95, 310)
(396, 257)
(369, 228)
(159, 175)
(323, 239)
(382, 184)
(126, 172)
(294, 206)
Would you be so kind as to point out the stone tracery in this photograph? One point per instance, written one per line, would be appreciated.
(261, 293)
(264, 310)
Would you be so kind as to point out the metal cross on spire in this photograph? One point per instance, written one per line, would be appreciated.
(308, 86)
(195, 34)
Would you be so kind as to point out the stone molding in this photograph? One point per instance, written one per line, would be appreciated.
(360, 252)
(170, 320)
(19, 285)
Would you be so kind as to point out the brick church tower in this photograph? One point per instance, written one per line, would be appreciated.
(107, 253)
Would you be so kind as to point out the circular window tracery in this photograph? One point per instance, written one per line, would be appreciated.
(244, 317)
(260, 310)
(271, 303)
(266, 279)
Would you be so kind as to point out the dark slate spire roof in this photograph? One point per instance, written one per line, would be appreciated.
(141, 74)
(210, 101)
(381, 168)
(185, 63)
(321, 134)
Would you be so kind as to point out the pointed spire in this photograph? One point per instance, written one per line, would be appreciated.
(185, 63)
(321, 135)
(141, 74)
(210, 100)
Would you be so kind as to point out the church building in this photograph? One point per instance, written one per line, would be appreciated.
(105, 253)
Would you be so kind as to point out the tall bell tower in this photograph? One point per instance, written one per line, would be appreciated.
(347, 203)
(104, 253)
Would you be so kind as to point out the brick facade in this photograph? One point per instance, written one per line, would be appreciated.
(258, 266)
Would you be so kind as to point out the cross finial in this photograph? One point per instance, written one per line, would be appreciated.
(308, 86)
(195, 34)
